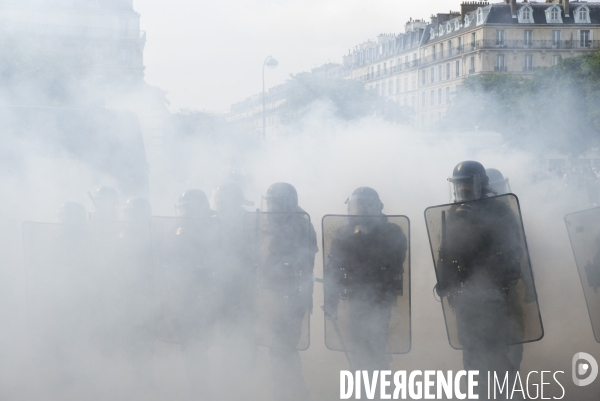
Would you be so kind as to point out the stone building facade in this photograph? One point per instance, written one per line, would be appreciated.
(423, 66)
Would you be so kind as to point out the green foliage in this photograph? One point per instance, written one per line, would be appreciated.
(347, 100)
(554, 109)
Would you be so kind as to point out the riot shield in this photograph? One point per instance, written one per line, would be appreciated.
(483, 271)
(186, 253)
(584, 232)
(124, 278)
(62, 303)
(283, 249)
(366, 277)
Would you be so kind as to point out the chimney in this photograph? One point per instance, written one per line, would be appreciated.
(513, 7)
(566, 6)
(468, 6)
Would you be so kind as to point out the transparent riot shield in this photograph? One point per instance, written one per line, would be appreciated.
(366, 277)
(124, 277)
(283, 250)
(186, 256)
(483, 271)
(584, 232)
(62, 302)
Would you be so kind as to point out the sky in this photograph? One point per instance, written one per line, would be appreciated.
(209, 54)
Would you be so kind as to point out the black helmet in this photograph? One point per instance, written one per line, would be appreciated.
(281, 197)
(497, 182)
(228, 196)
(106, 203)
(137, 209)
(193, 203)
(364, 201)
(72, 213)
(469, 180)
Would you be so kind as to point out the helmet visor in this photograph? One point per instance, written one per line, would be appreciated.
(467, 188)
(364, 207)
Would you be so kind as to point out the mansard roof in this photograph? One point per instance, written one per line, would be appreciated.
(501, 14)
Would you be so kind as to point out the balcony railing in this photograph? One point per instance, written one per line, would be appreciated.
(536, 44)
(527, 68)
(500, 68)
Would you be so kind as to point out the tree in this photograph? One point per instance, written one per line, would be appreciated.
(555, 109)
(348, 100)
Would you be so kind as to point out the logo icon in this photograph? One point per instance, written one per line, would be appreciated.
(581, 368)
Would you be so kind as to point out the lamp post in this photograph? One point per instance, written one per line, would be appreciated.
(271, 63)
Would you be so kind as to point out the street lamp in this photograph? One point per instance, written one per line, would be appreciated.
(271, 63)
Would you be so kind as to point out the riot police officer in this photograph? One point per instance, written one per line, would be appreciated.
(105, 201)
(285, 278)
(497, 182)
(479, 262)
(365, 269)
(192, 259)
(235, 287)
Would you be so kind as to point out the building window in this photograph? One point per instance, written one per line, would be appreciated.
(528, 38)
(584, 38)
(500, 37)
(379, 70)
(432, 75)
(441, 50)
(467, 21)
(553, 15)
(473, 41)
(500, 66)
(414, 81)
(384, 68)
(459, 47)
(383, 88)
(447, 94)
(479, 16)
(397, 85)
(423, 77)
(525, 15)
(447, 70)
(556, 38)
(556, 59)
(528, 62)
(440, 73)
(433, 55)
(456, 24)
(472, 66)
(423, 100)
(440, 96)
(390, 87)
(457, 68)
(582, 15)
(449, 48)
(432, 97)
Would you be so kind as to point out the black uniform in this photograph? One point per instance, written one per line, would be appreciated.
(287, 278)
(479, 259)
(366, 268)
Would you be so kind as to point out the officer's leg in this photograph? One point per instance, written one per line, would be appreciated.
(239, 348)
(288, 381)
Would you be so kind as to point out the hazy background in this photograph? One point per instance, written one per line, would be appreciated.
(209, 54)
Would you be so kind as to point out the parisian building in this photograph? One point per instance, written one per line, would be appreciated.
(104, 34)
(423, 66)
